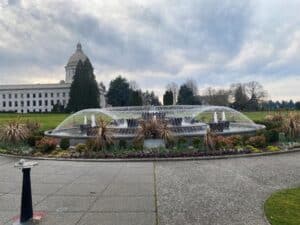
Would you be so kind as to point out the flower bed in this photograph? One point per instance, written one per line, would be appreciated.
(24, 138)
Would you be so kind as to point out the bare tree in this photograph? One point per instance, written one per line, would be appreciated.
(255, 90)
(133, 85)
(216, 96)
(173, 87)
(192, 84)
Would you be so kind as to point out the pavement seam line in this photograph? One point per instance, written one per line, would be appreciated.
(155, 194)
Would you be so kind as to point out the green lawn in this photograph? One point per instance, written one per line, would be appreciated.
(47, 120)
(283, 207)
(50, 120)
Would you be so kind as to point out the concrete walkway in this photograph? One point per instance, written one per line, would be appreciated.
(227, 192)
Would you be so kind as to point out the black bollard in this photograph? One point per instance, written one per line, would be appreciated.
(26, 216)
(26, 202)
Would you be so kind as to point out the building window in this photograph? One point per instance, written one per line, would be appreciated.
(10, 104)
(33, 103)
(40, 103)
(46, 95)
(28, 95)
(52, 102)
(4, 104)
(9, 96)
(16, 104)
(40, 95)
(58, 102)
(22, 103)
(57, 94)
(33, 95)
(16, 95)
(46, 102)
(3, 96)
(28, 103)
(64, 94)
(22, 95)
(52, 95)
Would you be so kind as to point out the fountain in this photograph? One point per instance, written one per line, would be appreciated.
(182, 120)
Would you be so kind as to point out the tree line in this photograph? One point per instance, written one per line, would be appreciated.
(84, 93)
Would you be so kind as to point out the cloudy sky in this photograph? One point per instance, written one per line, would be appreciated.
(154, 42)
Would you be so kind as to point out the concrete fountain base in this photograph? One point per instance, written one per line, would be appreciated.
(154, 143)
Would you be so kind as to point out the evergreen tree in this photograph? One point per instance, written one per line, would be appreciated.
(240, 97)
(185, 96)
(135, 98)
(119, 92)
(149, 98)
(168, 98)
(84, 92)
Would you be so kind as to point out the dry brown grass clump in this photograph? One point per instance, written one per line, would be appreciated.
(14, 131)
(104, 136)
(154, 128)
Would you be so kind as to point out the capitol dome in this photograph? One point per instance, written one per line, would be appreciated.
(72, 63)
(78, 55)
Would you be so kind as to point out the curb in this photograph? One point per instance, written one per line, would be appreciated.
(156, 159)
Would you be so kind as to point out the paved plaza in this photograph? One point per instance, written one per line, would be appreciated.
(204, 192)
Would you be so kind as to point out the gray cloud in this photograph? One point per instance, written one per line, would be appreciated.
(214, 42)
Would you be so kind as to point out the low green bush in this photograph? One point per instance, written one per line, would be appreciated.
(31, 140)
(122, 144)
(182, 143)
(197, 143)
(64, 143)
(81, 148)
(272, 148)
(271, 136)
(252, 149)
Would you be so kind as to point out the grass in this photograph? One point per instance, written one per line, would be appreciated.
(47, 120)
(283, 207)
(51, 120)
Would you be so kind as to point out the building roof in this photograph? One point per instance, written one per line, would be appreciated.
(78, 55)
(11, 87)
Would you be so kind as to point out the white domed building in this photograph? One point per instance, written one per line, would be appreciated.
(24, 98)
(72, 63)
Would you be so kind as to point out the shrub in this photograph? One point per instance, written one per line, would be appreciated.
(32, 126)
(38, 154)
(236, 140)
(222, 142)
(257, 141)
(81, 148)
(197, 143)
(31, 140)
(138, 144)
(252, 149)
(122, 144)
(182, 142)
(46, 144)
(271, 136)
(14, 132)
(272, 148)
(64, 143)
(227, 143)
(91, 145)
(63, 154)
